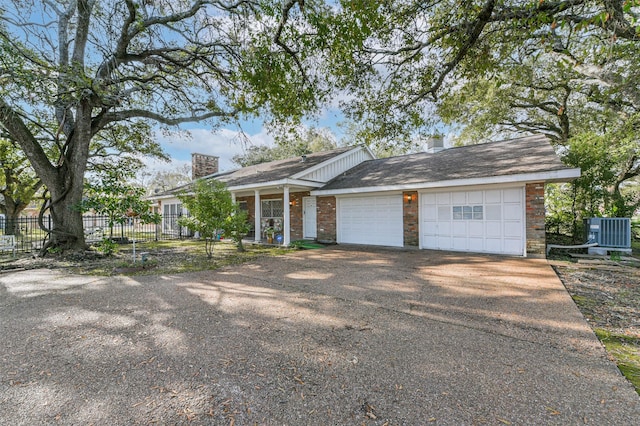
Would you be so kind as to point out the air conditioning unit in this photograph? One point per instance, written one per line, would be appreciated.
(609, 232)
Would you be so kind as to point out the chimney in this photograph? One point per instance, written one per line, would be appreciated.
(435, 144)
(203, 165)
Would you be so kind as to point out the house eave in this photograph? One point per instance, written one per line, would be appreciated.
(275, 183)
(162, 197)
(562, 175)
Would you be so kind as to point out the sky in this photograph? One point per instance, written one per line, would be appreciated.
(225, 142)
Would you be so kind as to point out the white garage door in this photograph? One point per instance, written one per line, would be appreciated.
(489, 221)
(374, 220)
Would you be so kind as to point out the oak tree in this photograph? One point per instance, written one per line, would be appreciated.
(90, 67)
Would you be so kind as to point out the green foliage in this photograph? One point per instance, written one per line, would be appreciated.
(109, 194)
(92, 77)
(107, 246)
(209, 208)
(54, 250)
(258, 154)
(122, 146)
(292, 143)
(561, 216)
(593, 126)
(607, 162)
(236, 226)
(18, 182)
(406, 62)
(609, 165)
(626, 351)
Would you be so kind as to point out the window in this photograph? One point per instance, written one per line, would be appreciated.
(477, 212)
(172, 209)
(468, 213)
(272, 208)
(170, 218)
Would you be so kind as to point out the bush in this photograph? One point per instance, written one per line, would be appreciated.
(107, 246)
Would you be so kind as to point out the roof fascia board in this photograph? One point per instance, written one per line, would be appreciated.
(551, 176)
(332, 160)
(273, 183)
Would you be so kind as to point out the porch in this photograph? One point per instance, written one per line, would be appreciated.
(279, 215)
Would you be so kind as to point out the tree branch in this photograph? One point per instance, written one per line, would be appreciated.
(472, 35)
(20, 133)
(277, 38)
(115, 116)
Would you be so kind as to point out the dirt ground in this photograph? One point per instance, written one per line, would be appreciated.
(608, 295)
(159, 258)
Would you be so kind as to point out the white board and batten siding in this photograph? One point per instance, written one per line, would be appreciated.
(372, 220)
(482, 221)
(337, 166)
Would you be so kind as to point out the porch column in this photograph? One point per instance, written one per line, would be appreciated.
(257, 215)
(287, 218)
(233, 197)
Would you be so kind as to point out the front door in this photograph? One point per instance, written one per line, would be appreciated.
(309, 217)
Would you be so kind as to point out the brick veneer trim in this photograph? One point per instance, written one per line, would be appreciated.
(326, 217)
(535, 217)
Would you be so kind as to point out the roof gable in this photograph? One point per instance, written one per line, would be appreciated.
(328, 170)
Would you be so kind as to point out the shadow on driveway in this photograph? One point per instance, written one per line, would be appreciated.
(336, 336)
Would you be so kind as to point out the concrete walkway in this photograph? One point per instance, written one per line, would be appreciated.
(335, 336)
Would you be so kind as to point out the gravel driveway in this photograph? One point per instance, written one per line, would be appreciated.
(340, 336)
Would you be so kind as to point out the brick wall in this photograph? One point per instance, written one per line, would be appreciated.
(296, 214)
(536, 241)
(326, 211)
(250, 207)
(410, 218)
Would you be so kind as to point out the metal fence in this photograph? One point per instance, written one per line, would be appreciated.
(30, 237)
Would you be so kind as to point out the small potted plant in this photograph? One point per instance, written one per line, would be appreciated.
(269, 232)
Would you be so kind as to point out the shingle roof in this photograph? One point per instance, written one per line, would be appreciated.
(266, 172)
(525, 155)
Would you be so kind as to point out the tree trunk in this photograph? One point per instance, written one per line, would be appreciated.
(66, 184)
(66, 195)
(12, 212)
(67, 230)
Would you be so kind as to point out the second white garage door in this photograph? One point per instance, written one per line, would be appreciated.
(374, 220)
(489, 221)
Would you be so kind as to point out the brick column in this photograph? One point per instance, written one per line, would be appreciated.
(326, 212)
(410, 218)
(536, 239)
(296, 214)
